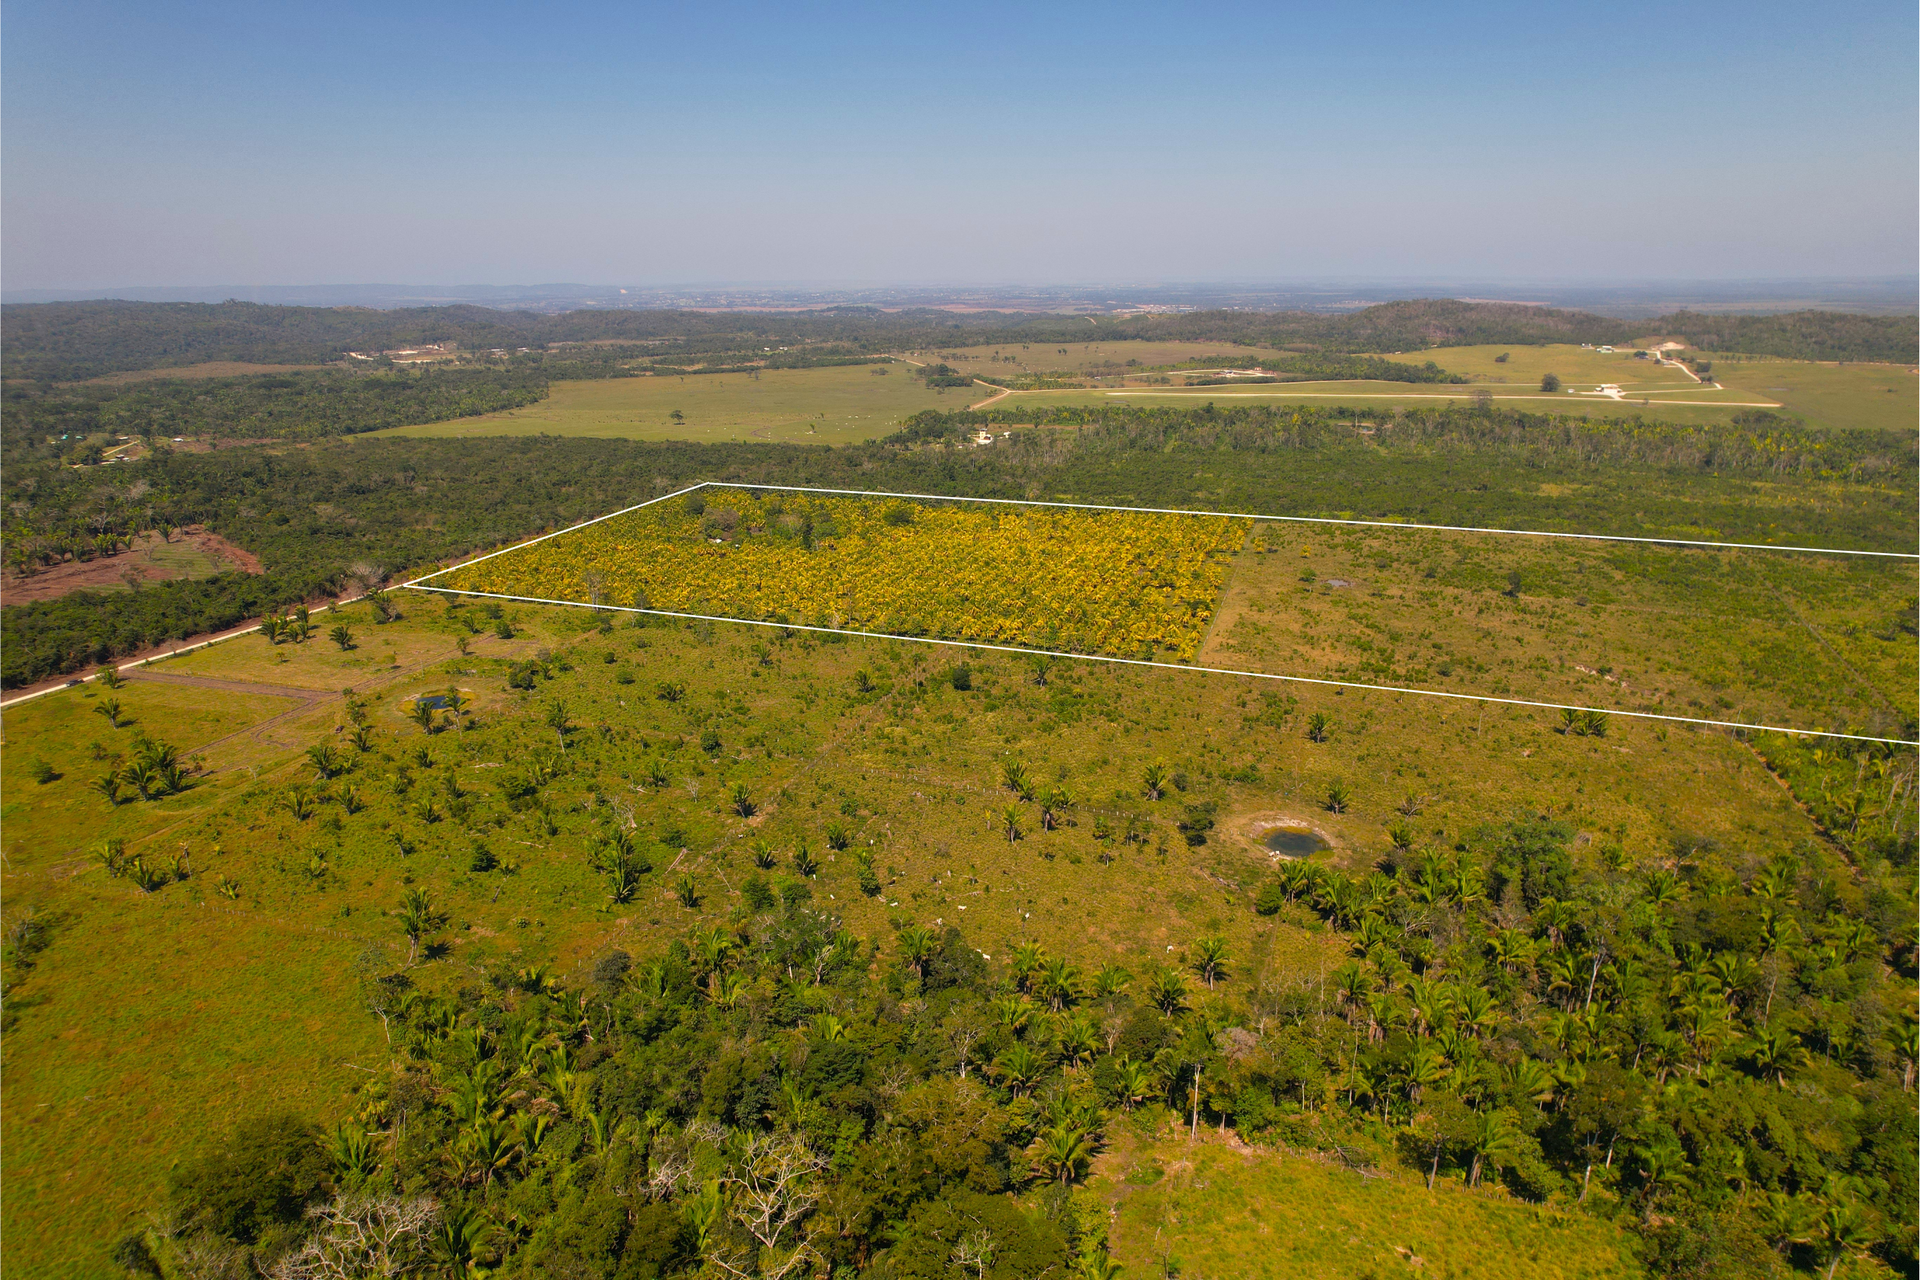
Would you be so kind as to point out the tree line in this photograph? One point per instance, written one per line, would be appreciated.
(70, 340)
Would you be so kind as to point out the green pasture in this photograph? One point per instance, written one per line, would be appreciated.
(790, 406)
(1772, 638)
(1374, 397)
(155, 1018)
(1576, 366)
(1877, 397)
(1203, 1208)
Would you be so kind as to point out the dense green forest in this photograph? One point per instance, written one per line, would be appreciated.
(70, 340)
(1721, 1056)
(325, 516)
(299, 405)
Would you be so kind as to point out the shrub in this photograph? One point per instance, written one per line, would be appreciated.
(265, 1174)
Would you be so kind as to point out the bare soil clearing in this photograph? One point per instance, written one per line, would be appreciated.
(197, 554)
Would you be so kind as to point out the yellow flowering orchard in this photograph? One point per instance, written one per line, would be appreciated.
(1131, 584)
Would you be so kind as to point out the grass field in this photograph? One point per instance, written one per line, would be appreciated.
(1577, 367)
(1208, 1210)
(791, 406)
(154, 1019)
(1876, 397)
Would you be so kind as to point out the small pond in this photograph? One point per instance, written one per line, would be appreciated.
(433, 701)
(1293, 842)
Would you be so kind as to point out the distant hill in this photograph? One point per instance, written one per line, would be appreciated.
(66, 341)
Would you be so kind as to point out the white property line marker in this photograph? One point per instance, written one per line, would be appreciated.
(417, 584)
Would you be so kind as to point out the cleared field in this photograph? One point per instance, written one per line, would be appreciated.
(790, 406)
(238, 1004)
(1206, 1209)
(1759, 637)
(1121, 583)
(1877, 397)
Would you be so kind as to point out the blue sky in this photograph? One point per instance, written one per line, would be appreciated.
(634, 144)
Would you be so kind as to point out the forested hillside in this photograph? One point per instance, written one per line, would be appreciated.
(71, 340)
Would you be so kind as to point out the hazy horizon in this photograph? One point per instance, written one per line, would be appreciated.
(207, 143)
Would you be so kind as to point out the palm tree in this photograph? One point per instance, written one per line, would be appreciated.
(763, 855)
(342, 635)
(1846, 1231)
(916, 948)
(1062, 1154)
(422, 714)
(1210, 958)
(1166, 990)
(1109, 981)
(687, 889)
(557, 721)
(1010, 822)
(1013, 776)
(1493, 1140)
(462, 1233)
(1019, 1068)
(1425, 1068)
(1053, 805)
(108, 785)
(1058, 984)
(1079, 1039)
(1776, 1050)
(1153, 781)
(1134, 1083)
(325, 760)
(1317, 725)
(726, 989)
(110, 708)
(418, 919)
(804, 862)
(742, 800)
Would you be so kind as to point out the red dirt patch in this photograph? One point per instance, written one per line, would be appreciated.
(110, 571)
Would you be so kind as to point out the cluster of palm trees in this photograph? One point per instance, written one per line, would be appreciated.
(1055, 801)
(155, 770)
(294, 626)
(147, 874)
(621, 860)
(1506, 1018)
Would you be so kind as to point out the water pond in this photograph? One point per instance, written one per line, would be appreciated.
(1294, 842)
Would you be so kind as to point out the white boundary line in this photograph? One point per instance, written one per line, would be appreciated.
(1170, 666)
(1245, 515)
(416, 584)
(556, 533)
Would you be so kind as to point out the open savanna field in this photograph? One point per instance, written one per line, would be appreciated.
(843, 405)
(254, 955)
(1880, 397)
